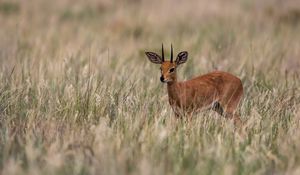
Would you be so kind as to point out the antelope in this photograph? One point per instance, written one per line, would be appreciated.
(219, 91)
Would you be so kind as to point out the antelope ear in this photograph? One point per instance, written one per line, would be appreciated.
(153, 57)
(181, 57)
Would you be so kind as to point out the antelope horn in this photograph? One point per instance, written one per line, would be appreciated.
(162, 52)
(171, 53)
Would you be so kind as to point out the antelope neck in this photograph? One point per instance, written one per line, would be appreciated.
(172, 88)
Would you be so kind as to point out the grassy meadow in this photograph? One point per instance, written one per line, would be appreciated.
(78, 95)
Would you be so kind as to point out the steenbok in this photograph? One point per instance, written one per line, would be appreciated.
(219, 91)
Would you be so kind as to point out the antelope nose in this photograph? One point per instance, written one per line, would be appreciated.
(162, 79)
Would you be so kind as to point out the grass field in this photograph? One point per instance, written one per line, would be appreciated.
(78, 95)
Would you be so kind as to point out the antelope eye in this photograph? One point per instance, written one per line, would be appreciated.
(172, 69)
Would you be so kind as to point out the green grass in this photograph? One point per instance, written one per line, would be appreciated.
(78, 95)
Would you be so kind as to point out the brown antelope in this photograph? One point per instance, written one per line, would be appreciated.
(220, 91)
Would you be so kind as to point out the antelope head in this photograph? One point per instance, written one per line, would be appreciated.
(168, 68)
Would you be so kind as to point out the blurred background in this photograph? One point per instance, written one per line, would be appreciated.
(227, 34)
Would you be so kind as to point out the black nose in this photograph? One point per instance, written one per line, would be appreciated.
(162, 79)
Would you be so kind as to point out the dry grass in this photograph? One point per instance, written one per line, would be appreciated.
(78, 96)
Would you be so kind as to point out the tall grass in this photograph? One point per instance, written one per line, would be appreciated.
(78, 96)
